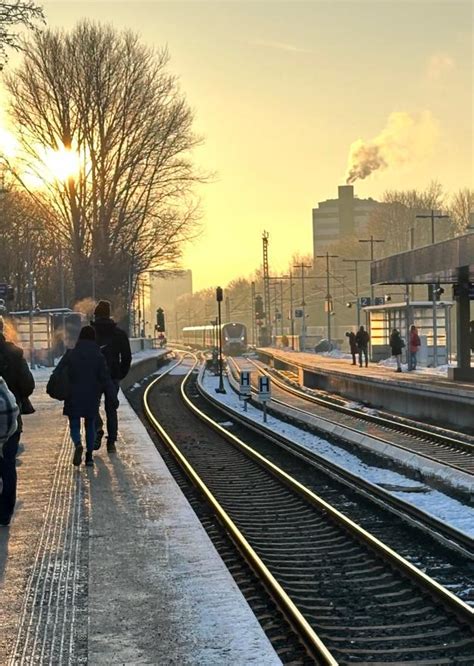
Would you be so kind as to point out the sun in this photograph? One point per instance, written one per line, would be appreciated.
(61, 164)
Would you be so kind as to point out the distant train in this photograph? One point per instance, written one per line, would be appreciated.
(234, 337)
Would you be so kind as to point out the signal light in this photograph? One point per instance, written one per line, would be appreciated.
(160, 320)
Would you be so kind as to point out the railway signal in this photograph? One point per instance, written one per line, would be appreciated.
(160, 320)
(219, 297)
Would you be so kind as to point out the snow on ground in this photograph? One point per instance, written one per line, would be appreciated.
(335, 353)
(440, 370)
(431, 501)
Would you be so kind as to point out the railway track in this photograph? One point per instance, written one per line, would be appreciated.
(350, 597)
(449, 450)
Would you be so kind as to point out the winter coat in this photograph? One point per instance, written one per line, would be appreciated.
(396, 343)
(114, 345)
(362, 339)
(415, 342)
(353, 343)
(15, 371)
(88, 377)
(9, 413)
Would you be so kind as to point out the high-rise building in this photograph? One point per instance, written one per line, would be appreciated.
(334, 219)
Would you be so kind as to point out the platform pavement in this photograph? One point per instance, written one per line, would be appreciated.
(110, 565)
(418, 394)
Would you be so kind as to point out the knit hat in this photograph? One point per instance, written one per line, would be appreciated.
(87, 333)
(102, 309)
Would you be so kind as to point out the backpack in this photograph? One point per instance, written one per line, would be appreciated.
(8, 414)
(59, 384)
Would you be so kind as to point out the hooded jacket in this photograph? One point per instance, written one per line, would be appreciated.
(88, 376)
(114, 345)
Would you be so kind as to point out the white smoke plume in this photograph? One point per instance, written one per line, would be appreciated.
(405, 138)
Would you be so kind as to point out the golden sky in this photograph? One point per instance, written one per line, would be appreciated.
(282, 89)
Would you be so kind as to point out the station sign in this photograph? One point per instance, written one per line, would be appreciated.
(264, 388)
(298, 313)
(379, 300)
(365, 301)
(245, 389)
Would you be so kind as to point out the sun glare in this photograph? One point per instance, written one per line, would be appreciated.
(61, 164)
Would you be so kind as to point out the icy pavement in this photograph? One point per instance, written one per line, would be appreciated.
(431, 501)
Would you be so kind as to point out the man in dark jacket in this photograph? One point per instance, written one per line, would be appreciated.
(115, 346)
(16, 373)
(362, 342)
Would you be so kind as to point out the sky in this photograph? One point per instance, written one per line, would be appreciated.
(281, 90)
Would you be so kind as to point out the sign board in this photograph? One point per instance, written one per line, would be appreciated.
(245, 386)
(456, 290)
(364, 301)
(298, 313)
(379, 300)
(264, 388)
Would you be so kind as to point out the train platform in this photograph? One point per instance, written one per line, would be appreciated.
(110, 565)
(421, 394)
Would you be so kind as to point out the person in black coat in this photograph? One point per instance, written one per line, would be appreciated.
(397, 344)
(362, 342)
(16, 373)
(353, 345)
(88, 378)
(115, 347)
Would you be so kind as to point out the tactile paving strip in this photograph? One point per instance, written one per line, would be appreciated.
(52, 627)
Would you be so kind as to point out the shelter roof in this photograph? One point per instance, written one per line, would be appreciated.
(439, 262)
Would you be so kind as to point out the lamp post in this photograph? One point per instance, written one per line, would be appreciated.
(434, 216)
(356, 275)
(219, 296)
(302, 266)
(328, 256)
(372, 242)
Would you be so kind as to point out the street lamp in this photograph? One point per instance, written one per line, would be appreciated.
(328, 256)
(372, 242)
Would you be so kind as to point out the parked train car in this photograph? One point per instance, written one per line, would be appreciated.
(234, 337)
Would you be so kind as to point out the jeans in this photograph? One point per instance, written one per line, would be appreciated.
(110, 413)
(412, 361)
(8, 476)
(75, 428)
(363, 350)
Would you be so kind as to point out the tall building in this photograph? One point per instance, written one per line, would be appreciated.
(338, 218)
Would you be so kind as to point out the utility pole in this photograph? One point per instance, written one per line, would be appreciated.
(356, 263)
(328, 256)
(303, 305)
(266, 285)
(372, 242)
(292, 314)
(219, 295)
(434, 216)
(254, 324)
(281, 307)
(227, 309)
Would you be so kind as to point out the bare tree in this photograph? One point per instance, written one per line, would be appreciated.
(111, 102)
(461, 209)
(18, 13)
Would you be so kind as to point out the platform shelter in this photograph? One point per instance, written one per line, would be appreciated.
(382, 319)
(449, 262)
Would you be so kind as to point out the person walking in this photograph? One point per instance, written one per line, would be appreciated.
(397, 344)
(18, 378)
(115, 347)
(353, 345)
(88, 377)
(362, 341)
(414, 346)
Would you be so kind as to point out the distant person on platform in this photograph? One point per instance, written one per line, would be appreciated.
(362, 341)
(115, 346)
(471, 336)
(17, 376)
(353, 345)
(397, 344)
(415, 344)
